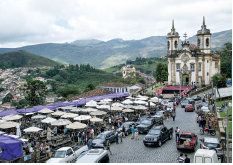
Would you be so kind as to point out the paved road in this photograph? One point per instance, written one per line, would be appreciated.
(134, 151)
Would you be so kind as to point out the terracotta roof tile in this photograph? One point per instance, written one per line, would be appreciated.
(115, 84)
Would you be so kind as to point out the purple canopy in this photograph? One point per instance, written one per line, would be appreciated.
(8, 112)
(12, 148)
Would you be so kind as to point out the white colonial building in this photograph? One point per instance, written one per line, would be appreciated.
(192, 65)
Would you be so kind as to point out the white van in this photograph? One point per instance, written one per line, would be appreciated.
(94, 156)
(206, 156)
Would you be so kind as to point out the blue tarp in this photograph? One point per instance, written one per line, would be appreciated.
(53, 106)
(228, 81)
(11, 147)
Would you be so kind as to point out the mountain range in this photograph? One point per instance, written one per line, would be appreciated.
(100, 54)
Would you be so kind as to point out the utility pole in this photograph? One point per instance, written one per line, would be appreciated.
(227, 135)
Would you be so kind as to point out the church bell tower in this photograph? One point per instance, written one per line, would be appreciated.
(172, 40)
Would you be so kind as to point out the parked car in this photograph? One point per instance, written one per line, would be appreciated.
(141, 119)
(184, 103)
(158, 119)
(67, 154)
(146, 125)
(206, 109)
(161, 113)
(187, 140)
(94, 156)
(102, 138)
(206, 156)
(189, 107)
(157, 135)
(211, 144)
(196, 97)
(128, 126)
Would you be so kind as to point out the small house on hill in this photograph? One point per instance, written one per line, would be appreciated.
(116, 87)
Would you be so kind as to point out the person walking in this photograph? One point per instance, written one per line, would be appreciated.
(89, 143)
(203, 123)
(177, 131)
(132, 129)
(121, 135)
(107, 146)
(209, 123)
(187, 159)
(180, 158)
(116, 134)
(123, 131)
(199, 120)
(83, 137)
(136, 134)
(173, 116)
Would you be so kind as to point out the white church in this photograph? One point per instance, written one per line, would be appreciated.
(192, 65)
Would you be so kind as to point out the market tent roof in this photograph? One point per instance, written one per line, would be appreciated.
(151, 104)
(96, 119)
(45, 110)
(76, 125)
(58, 113)
(103, 107)
(83, 117)
(12, 148)
(91, 103)
(76, 110)
(1, 132)
(8, 112)
(117, 105)
(38, 117)
(68, 107)
(140, 102)
(89, 110)
(140, 107)
(32, 129)
(128, 110)
(104, 102)
(98, 113)
(12, 117)
(69, 115)
(116, 108)
(127, 102)
(48, 120)
(6, 125)
(61, 122)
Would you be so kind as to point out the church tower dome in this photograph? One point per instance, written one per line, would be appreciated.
(172, 40)
(204, 38)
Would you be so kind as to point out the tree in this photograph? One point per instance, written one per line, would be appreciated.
(161, 72)
(7, 98)
(219, 81)
(89, 87)
(64, 92)
(35, 91)
(226, 59)
(1, 89)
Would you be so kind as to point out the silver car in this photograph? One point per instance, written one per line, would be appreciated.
(211, 144)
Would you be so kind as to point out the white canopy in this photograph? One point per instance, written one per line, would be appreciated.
(45, 110)
(68, 107)
(116, 108)
(140, 107)
(6, 125)
(38, 117)
(140, 102)
(96, 119)
(89, 110)
(32, 129)
(104, 102)
(98, 113)
(1, 132)
(127, 102)
(12, 117)
(48, 120)
(61, 122)
(128, 110)
(14, 136)
(91, 104)
(18, 131)
(129, 97)
(151, 104)
(76, 110)
(69, 115)
(83, 117)
(76, 125)
(103, 107)
(58, 113)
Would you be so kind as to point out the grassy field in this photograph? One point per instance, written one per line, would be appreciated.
(219, 103)
(223, 114)
(230, 127)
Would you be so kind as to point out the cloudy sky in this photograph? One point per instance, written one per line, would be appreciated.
(28, 22)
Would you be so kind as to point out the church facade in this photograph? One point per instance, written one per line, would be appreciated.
(192, 65)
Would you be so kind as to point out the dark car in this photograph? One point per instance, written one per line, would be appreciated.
(158, 119)
(141, 119)
(196, 97)
(102, 138)
(191, 101)
(127, 126)
(158, 135)
(146, 125)
(184, 103)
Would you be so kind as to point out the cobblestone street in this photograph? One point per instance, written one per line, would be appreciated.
(134, 151)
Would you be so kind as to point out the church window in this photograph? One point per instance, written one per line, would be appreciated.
(177, 67)
(168, 45)
(199, 67)
(207, 42)
(198, 43)
(176, 44)
(192, 67)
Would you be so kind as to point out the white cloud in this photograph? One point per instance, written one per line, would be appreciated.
(25, 22)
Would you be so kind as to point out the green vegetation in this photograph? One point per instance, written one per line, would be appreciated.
(230, 127)
(226, 59)
(22, 58)
(64, 92)
(219, 103)
(161, 72)
(7, 98)
(21, 104)
(1, 89)
(36, 91)
(223, 114)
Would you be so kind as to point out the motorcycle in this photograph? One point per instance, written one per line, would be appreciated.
(210, 131)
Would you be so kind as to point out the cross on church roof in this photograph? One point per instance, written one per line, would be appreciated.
(185, 35)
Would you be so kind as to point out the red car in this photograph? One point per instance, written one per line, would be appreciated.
(187, 140)
(189, 107)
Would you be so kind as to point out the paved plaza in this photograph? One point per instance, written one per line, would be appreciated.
(134, 151)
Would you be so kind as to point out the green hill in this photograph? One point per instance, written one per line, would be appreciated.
(100, 54)
(22, 58)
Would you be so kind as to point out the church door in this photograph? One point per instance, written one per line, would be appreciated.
(185, 79)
